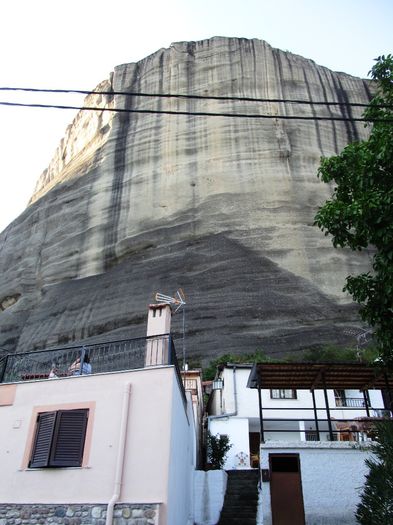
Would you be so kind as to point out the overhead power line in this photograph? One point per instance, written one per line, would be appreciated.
(195, 97)
(195, 113)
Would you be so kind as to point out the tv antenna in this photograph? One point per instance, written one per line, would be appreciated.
(179, 301)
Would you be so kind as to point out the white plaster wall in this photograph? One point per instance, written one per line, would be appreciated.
(332, 475)
(237, 429)
(209, 494)
(181, 465)
(247, 401)
(247, 398)
(148, 445)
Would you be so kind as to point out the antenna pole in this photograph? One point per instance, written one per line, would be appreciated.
(178, 301)
(184, 337)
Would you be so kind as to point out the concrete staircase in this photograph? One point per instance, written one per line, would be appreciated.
(241, 498)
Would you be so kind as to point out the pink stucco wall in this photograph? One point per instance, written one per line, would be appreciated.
(148, 443)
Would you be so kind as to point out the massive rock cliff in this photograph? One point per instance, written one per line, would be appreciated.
(134, 203)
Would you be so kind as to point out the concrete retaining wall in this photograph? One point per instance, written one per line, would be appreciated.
(209, 493)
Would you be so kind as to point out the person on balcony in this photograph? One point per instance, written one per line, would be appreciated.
(76, 369)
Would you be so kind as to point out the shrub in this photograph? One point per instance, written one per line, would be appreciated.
(217, 449)
(376, 502)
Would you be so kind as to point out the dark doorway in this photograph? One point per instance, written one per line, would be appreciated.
(254, 440)
(286, 490)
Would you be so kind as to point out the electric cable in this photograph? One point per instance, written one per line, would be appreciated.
(197, 113)
(195, 97)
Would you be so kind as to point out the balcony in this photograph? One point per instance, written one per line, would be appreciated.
(350, 402)
(114, 356)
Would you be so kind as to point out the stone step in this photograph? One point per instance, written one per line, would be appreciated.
(237, 521)
(238, 514)
(241, 498)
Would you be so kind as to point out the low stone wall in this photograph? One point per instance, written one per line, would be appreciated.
(77, 514)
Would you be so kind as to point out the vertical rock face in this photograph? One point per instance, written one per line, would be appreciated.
(133, 203)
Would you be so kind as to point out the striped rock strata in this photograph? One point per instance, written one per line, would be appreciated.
(132, 203)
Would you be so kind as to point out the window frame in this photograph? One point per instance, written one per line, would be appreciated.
(59, 439)
(32, 431)
(281, 393)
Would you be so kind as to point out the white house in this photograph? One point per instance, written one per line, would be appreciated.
(308, 428)
(120, 442)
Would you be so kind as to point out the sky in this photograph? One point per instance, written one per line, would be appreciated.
(75, 44)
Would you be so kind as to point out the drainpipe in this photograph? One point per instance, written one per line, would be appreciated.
(120, 455)
(229, 414)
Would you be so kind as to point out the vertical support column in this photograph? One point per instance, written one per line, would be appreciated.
(302, 430)
(389, 393)
(327, 408)
(365, 397)
(261, 429)
(315, 415)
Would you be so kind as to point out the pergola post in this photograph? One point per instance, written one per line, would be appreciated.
(365, 397)
(327, 408)
(389, 393)
(261, 429)
(315, 415)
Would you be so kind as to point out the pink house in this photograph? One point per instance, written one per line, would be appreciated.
(116, 444)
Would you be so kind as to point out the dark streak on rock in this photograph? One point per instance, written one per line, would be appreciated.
(333, 123)
(346, 111)
(114, 209)
(367, 90)
(191, 140)
(156, 132)
(316, 122)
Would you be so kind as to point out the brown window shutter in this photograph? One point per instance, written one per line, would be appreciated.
(43, 439)
(69, 438)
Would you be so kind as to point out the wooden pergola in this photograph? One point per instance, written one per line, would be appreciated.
(320, 376)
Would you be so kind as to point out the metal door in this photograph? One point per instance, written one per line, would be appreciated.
(286, 490)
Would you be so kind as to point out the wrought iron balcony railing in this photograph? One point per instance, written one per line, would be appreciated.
(103, 357)
(350, 402)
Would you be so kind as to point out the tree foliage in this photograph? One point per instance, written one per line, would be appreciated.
(338, 354)
(359, 214)
(217, 449)
(210, 371)
(376, 503)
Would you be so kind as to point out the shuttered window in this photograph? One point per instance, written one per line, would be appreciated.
(59, 439)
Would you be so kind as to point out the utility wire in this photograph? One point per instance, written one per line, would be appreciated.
(196, 97)
(196, 113)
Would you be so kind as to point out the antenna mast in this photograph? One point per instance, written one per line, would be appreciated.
(179, 300)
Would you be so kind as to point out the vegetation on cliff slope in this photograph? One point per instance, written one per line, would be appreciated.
(360, 211)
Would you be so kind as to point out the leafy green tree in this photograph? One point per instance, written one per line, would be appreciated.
(360, 213)
(217, 449)
(210, 371)
(376, 503)
(338, 354)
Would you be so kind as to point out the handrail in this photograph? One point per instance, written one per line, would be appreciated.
(107, 356)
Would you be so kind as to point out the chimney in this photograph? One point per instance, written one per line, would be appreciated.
(158, 323)
(159, 319)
